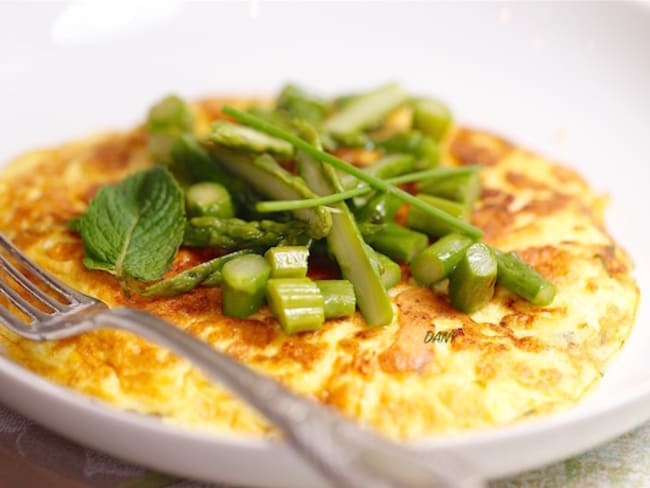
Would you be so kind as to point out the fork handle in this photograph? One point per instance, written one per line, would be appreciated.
(347, 455)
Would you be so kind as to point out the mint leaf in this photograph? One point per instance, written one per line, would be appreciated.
(134, 229)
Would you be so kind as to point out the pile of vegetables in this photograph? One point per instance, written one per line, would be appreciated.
(268, 191)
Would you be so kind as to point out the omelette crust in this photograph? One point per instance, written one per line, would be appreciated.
(509, 361)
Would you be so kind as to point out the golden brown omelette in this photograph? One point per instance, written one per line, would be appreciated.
(433, 370)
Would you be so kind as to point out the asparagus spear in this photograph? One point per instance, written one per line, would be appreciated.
(236, 233)
(418, 220)
(208, 199)
(366, 110)
(244, 284)
(338, 298)
(297, 303)
(463, 188)
(207, 274)
(425, 150)
(347, 246)
(391, 165)
(431, 117)
(167, 120)
(438, 260)
(471, 284)
(399, 243)
(240, 137)
(288, 261)
(380, 208)
(522, 279)
(270, 179)
(454, 223)
(302, 105)
(386, 167)
(389, 271)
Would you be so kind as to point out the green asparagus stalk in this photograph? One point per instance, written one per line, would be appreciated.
(206, 274)
(418, 220)
(425, 150)
(431, 117)
(237, 234)
(288, 261)
(386, 167)
(391, 165)
(369, 230)
(270, 179)
(244, 284)
(208, 199)
(244, 138)
(457, 225)
(366, 110)
(471, 284)
(523, 280)
(338, 298)
(389, 271)
(380, 208)
(297, 303)
(302, 105)
(167, 120)
(399, 243)
(463, 188)
(348, 248)
(438, 260)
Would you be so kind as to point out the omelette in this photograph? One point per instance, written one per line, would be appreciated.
(432, 371)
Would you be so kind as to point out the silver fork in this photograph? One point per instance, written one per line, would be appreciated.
(343, 452)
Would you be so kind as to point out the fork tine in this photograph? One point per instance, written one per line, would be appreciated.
(30, 286)
(26, 307)
(67, 292)
(11, 321)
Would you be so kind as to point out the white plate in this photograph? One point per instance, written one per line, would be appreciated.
(569, 80)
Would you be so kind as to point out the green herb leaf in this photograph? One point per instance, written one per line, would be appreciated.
(134, 229)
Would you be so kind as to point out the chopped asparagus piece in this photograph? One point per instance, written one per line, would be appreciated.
(416, 219)
(389, 271)
(385, 168)
(399, 243)
(438, 260)
(380, 208)
(244, 138)
(302, 105)
(288, 261)
(167, 120)
(244, 285)
(523, 280)
(462, 188)
(297, 303)
(471, 284)
(391, 165)
(431, 117)
(366, 110)
(209, 199)
(338, 298)
(425, 150)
